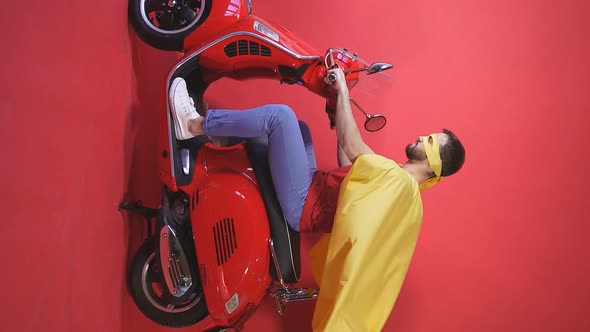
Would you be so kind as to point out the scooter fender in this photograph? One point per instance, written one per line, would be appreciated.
(231, 233)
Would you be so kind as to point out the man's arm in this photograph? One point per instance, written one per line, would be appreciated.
(342, 158)
(347, 131)
(340, 155)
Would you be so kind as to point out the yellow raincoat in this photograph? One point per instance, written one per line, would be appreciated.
(361, 265)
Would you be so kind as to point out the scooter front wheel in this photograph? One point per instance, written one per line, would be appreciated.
(164, 24)
(146, 286)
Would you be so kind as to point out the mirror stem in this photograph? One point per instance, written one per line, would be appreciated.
(357, 106)
(355, 71)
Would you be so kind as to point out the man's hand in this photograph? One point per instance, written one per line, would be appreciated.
(339, 84)
(347, 131)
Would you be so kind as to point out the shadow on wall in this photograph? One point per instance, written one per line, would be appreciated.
(141, 180)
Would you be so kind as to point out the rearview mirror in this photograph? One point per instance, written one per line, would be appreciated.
(378, 67)
(375, 122)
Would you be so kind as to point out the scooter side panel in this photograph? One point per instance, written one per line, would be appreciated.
(231, 232)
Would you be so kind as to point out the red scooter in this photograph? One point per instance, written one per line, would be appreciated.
(219, 243)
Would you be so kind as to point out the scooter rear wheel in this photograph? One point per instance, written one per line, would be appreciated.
(164, 24)
(146, 285)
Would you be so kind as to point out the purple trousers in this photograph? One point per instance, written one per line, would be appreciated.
(290, 151)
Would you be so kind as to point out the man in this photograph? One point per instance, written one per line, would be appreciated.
(361, 265)
(370, 206)
(321, 201)
(308, 197)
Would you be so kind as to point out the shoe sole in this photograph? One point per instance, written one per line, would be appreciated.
(177, 129)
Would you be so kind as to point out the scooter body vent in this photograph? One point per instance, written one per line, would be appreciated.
(225, 240)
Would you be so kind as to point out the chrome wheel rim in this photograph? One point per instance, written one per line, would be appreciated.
(149, 277)
(171, 16)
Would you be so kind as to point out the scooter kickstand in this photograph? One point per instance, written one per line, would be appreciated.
(137, 207)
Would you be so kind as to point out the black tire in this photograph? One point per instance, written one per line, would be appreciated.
(165, 27)
(144, 272)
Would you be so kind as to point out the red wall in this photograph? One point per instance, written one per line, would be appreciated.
(503, 245)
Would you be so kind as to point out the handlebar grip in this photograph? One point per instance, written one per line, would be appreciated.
(332, 77)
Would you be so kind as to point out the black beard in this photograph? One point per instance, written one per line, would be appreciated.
(412, 153)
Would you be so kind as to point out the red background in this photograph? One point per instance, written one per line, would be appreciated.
(503, 245)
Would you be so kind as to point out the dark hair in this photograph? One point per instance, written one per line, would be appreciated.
(452, 154)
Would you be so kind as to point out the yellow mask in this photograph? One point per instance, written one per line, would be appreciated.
(433, 154)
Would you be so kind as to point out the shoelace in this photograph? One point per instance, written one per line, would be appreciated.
(190, 107)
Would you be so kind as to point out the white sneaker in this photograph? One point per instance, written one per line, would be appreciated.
(183, 108)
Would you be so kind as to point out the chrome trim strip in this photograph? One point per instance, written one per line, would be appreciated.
(184, 156)
(275, 260)
(204, 48)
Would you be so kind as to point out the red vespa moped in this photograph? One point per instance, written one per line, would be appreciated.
(219, 243)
